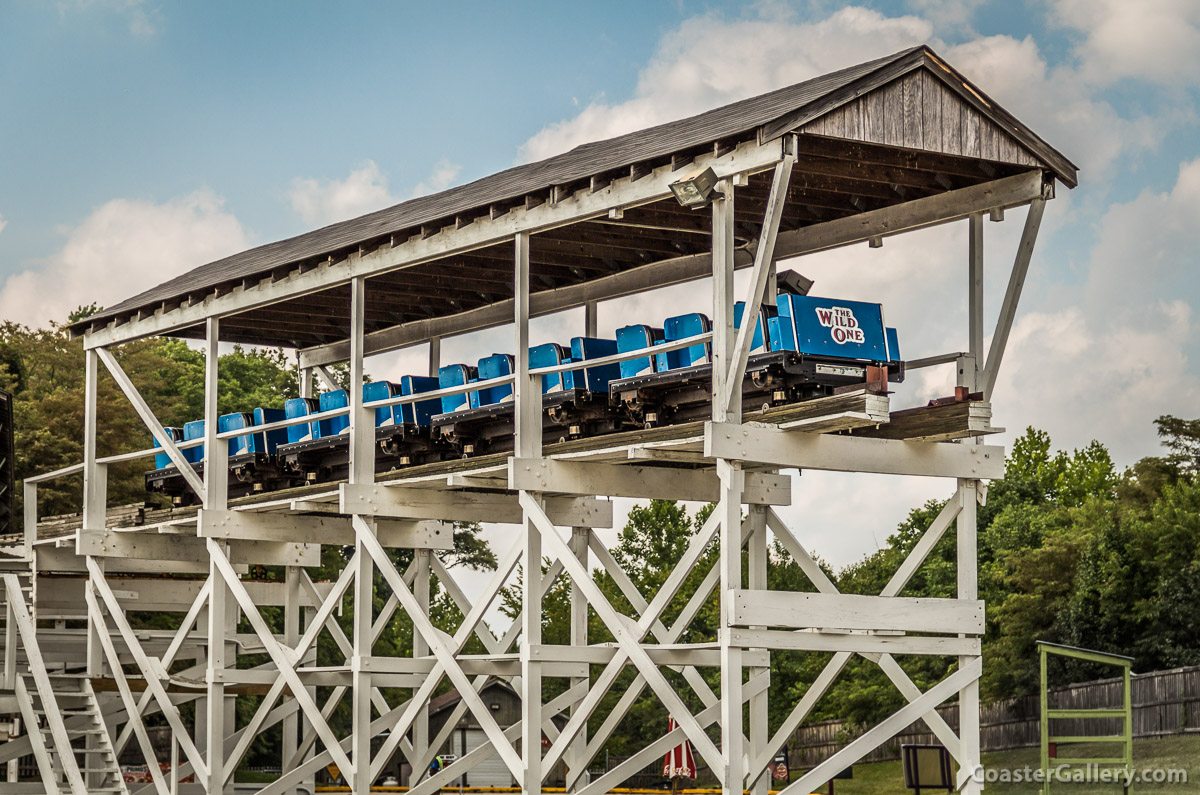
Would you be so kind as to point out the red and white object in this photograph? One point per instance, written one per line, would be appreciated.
(679, 762)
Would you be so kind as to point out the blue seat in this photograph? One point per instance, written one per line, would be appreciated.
(758, 344)
(494, 366)
(294, 409)
(328, 401)
(678, 328)
(421, 412)
(549, 354)
(193, 430)
(453, 375)
(593, 379)
(634, 338)
(381, 390)
(893, 344)
(233, 422)
(269, 441)
(162, 460)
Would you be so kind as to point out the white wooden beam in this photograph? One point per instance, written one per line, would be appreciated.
(153, 546)
(857, 642)
(850, 454)
(856, 612)
(398, 502)
(281, 528)
(618, 480)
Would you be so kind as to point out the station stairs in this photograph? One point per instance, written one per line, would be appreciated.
(62, 725)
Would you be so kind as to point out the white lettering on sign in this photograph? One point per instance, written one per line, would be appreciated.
(842, 325)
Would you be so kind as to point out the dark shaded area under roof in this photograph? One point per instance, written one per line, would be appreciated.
(830, 188)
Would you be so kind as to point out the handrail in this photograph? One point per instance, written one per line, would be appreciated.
(397, 400)
(41, 679)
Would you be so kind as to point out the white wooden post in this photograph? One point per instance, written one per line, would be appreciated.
(757, 581)
(435, 356)
(420, 735)
(591, 320)
(362, 471)
(968, 589)
(580, 540)
(291, 637)
(974, 301)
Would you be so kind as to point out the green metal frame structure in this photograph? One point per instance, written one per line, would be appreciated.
(1125, 712)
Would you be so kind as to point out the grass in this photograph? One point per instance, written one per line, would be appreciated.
(1180, 752)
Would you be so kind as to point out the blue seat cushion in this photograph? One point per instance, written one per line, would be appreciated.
(268, 442)
(193, 430)
(421, 412)
(678, 328)
(453, 375)
(162, 460)
(593, 379)
(634, 338)
(294, 409)
(381, 390)
(549, 354)
(328, 401)
(495, 366)
(233, 422)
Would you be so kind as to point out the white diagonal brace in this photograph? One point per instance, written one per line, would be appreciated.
(151, 673)
(131, 706)
(151, 422)
(879, 733)
(803, 559)
(924, 546)
(285, 658)
(438, 645)
(936, 723)
(625, 632)
(820, 685)
(764, 262)
(1016, 283)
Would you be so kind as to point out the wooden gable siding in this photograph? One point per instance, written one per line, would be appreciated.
(918, 111)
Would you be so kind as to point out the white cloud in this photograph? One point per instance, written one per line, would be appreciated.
(1059, 103)
(442, 177)
(710, 61)
(144, 19)
(1153, 40)
(122, 248)
(322, 202)
(3, 223)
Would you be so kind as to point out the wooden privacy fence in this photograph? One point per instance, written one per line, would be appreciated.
(1164, 703)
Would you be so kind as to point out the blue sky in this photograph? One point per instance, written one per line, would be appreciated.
(140, 138)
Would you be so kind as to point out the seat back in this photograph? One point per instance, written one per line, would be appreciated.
(381, 390)
(634, 338)
(193, 430)
(549, 354)
(759, 343)
(328, 401)
(233, 422)
(831, 327)
(593, 379)
(681, 327)
(494, 366)
(294, 409)
(421, 412)
(453, 375)
(269, 441)
(893, 344)
(162, 460)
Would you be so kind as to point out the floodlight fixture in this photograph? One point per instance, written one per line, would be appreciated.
(693, 189)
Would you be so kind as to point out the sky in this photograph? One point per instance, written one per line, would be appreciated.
(140, 138)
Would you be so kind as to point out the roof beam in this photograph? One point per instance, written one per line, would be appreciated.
(749, 157)
(919, 213)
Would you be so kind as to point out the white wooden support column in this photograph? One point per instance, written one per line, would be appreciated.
(216, 498)
(528, 443)
(362, 425)
(591, 320)
(968, 590)
(307, 382)
(291, 637)
(722, 309)
(420, 737)
(362, 472)
(580, 541)
(1012, 295)
(95, 499)
(760, 780)
(974, 300)
(435, 356)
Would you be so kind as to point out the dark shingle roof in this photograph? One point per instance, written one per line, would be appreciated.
(735, 120)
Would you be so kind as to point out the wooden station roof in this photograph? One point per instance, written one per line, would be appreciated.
(870, 136)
